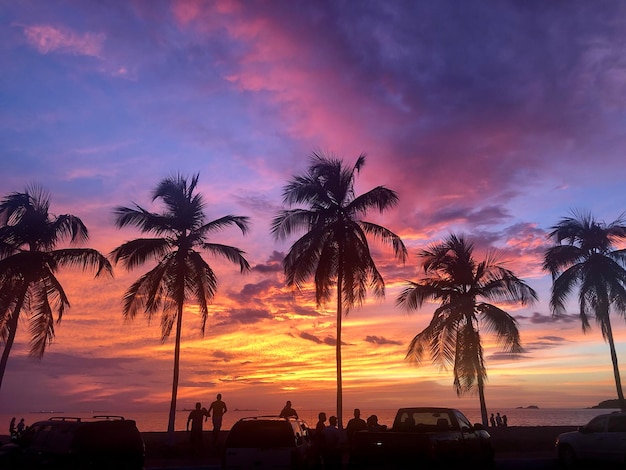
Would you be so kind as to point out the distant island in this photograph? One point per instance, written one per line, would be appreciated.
(611, 404)
(529, 407)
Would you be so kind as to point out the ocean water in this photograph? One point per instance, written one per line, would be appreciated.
(156, 421)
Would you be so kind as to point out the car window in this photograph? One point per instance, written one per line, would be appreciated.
(463, 421)
(597, 424)
(617, 424)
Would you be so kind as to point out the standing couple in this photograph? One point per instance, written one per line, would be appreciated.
(197, 416)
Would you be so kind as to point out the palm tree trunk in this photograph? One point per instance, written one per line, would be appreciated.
(480, 368)
(618, 381)
(12, 327)
(481, 398)
(338, 353)
(171, 436)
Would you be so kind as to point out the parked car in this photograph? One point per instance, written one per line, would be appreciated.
(101, 442)
(425, 435)
(603, 439)
(264, 442)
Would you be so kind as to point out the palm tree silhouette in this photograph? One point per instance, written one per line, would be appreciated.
(29, 261)
(334, 250)
(181, 273)
(588, 260)
(455, 280)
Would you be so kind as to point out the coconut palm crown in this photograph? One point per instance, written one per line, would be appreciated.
(334, 249)
(29, 262)
(181, 274)
(465, 290)
(585, 256)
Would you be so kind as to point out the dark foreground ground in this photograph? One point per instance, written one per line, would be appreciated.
(517, 448)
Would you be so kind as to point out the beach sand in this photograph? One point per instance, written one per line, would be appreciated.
(509, 442)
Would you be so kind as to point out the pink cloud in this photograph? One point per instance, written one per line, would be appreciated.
(46, 38)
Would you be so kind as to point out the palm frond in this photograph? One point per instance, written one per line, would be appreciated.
(235, 255)
(144, 220)
(84, 259)
(290, 221)
(136, 252)
(223, 222)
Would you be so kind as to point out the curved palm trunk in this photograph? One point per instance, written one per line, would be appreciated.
(338, 353)
(480, 367)
(618, 381)
(481, 398)
(12, 325)
(170, 425)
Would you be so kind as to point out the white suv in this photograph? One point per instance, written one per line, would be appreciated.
(264, 442)
(603, 439)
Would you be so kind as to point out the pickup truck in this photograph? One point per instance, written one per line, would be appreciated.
(431, 435)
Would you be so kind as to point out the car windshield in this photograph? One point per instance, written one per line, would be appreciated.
(262, 434)
(425, 420)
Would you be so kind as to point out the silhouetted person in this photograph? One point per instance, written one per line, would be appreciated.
(218, 407)
(505, 421)
(20, 427)
(498, 420)
(332, 445)
(372, 424)
(355, 424)
(492, 420)
(196, 417)
(12, 429)
(288, 411)
(318, 439)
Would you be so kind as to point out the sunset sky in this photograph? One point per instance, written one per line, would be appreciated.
(491, 119)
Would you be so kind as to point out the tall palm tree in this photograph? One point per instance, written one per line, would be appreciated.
(29, 261)
(590, 261)
(181, 274)
(464, 289)
(334, 251)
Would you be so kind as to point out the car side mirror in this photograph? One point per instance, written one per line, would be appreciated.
(478, 427)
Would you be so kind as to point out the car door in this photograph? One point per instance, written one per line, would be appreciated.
(614, 444)
(591, 442)
(471, 445)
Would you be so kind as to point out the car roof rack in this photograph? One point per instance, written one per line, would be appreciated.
(276, 417)
(64, 418)
(110, 417)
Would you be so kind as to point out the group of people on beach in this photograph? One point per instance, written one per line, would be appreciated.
(327, 438)
(16, 430)
(498, 421)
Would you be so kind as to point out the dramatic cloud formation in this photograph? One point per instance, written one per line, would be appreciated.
(490, 118)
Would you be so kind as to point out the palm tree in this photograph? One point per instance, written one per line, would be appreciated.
(458, 283)
(588, 260)
(181, 274)
(29, 261)
(334, 251)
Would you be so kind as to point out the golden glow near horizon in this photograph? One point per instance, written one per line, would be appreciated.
(261, 349)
